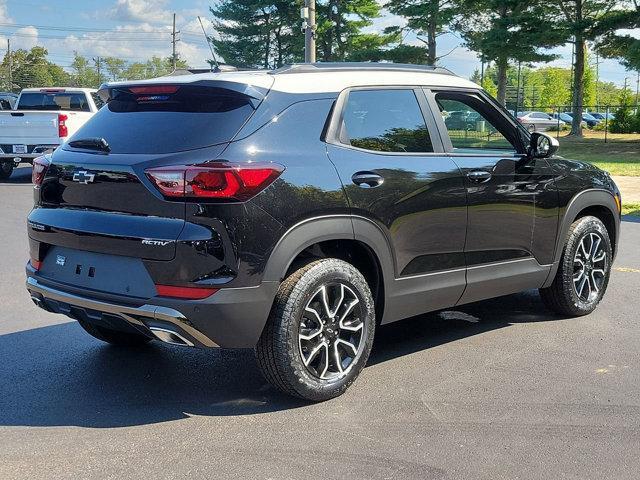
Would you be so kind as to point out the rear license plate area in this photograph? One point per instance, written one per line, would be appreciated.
(112, 274)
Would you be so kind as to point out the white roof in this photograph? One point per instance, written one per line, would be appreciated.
(329, 80)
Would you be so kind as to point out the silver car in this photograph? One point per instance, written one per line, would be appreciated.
(538, 121)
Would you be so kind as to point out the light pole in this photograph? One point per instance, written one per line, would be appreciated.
(309, 27)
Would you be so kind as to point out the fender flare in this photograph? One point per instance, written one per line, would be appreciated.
(330, 227)
(584, 199)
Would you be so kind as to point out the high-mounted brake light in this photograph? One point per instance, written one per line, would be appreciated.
(40, 166)
(215, 181)
(52, 90)
(63, 131)
(154, 90)
(186, 293)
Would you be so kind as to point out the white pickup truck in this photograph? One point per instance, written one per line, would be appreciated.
(41, 121)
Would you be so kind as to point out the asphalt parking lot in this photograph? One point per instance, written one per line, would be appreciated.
(498, 389)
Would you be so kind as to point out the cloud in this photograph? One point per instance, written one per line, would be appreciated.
(140, 10)
(26, 38)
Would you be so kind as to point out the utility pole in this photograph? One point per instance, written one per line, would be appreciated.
(174, 40)
(98, 62)
(598, 62)
(10, 65)
(309, 28)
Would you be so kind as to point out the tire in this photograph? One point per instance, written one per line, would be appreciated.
(304, 334)
(6, 169)
(583, 275)
(114, 337)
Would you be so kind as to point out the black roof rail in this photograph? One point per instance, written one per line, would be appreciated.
(351, 66)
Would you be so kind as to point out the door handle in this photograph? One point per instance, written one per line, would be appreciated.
(367, 179)
(479, 176)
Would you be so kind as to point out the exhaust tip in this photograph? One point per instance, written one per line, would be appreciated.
(170, 336)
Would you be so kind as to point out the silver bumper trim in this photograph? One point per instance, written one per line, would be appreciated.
(133, 315)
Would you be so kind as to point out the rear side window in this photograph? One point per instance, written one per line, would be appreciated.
(385, 121)
(76, 102)
(167, 120)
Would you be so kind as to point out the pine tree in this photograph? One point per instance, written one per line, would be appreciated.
(509, 30)
(425, 18)
(583, 21)
(258, 34)
(261, 34)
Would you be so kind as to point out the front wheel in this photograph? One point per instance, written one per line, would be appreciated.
(584, 271)
(320, 331)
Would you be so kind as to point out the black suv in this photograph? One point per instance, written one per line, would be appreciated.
(296, 210)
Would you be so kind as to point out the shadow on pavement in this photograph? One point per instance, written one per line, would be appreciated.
(19, 176)
(59, 376)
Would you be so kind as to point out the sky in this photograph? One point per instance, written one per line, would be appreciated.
(137, 29)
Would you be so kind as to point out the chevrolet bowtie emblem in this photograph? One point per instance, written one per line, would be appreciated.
(83, 177)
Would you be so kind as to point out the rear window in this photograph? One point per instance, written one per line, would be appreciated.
(53, 101)
(177, 119)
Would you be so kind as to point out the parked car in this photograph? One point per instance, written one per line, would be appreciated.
(591, 121)
(538, 121)
(7, 100)
(295, 211)
(568, 119)
(603, 116)
(461, 120)
(42, 120)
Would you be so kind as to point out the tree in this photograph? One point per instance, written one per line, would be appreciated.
(115, 67)
(266, 34)
(584, 21)
(624, 121)
(263, 34)
(425, 18)
(612, 43)
(509, 30)
(30, 68)
(84, 75)
(340, 35)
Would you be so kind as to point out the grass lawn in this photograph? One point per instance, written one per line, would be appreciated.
(631, 209)
(620, 156)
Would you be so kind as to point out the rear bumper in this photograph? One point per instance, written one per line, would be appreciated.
(34, 151)
(232, 318)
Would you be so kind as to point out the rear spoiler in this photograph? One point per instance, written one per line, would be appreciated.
(255, 93)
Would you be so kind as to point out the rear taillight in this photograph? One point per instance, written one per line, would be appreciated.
(186, 293)
(63, 131)
(36, 264)
(215, 181)
(40, 166)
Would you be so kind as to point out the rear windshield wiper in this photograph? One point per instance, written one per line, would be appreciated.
(95, 143)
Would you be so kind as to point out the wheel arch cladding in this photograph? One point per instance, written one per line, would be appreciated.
(331, 237)
(596, 202)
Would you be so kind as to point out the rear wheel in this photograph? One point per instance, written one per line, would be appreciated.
(320, 331)
(114, 337)
(6, 169)
(585, 267)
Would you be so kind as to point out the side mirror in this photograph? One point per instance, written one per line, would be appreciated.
(543, 145)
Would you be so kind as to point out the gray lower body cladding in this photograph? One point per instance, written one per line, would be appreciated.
(231, 318)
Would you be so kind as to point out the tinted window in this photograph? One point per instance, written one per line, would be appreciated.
(97, 100)
(53, 101)
(385, 121)
(188, 118)
(471, 124)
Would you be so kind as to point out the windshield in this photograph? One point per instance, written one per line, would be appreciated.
(54, 101)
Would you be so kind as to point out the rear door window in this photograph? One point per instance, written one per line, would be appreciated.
(385, 121)
(168, 120)
(75, 102)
